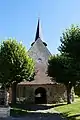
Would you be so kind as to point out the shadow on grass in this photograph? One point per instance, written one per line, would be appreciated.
(19, 110)
(34, 107)
(73, 117)
(35, 115)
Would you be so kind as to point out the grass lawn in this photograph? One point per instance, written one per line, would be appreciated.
(72, 111)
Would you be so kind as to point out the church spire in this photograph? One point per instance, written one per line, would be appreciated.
(38, 33)
(38, 30)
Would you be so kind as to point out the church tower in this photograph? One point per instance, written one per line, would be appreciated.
(38, 48)
(40, 54)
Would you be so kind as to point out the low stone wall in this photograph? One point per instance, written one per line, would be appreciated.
(4, 112)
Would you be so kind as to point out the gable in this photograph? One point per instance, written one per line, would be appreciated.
(39, 51)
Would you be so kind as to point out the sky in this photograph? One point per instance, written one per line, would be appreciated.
(18, 19)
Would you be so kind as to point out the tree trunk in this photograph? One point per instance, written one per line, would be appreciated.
(3, 87)
(14, 85)
(69, 94)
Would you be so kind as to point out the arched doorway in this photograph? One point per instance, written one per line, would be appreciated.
(40, 96)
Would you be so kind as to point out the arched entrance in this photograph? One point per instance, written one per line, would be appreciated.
(40, 96)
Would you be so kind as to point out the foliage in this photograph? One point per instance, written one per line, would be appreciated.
(15, 64)
(77, 89)
(61, 69)
(65, 68)
(70, 46)
(70, 42)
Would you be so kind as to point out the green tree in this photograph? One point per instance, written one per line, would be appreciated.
(15, 65)
(77, 89)
(70, 42)
(60, 68)
(70, 46)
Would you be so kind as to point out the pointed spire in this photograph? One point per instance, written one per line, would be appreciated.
(38, 30)
(38, 33)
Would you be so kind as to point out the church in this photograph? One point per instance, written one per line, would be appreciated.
(41, 90)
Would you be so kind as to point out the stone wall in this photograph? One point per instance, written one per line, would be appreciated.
(54, 93)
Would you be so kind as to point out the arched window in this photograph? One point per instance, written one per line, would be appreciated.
(39, 60)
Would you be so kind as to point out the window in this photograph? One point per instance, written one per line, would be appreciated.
(39, 60)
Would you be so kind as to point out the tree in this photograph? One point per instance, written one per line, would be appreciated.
(15, 65)
(60, 68)
(70, 46)
(77, 89)
(70, 42)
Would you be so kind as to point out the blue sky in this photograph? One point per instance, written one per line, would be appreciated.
(18, 19)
